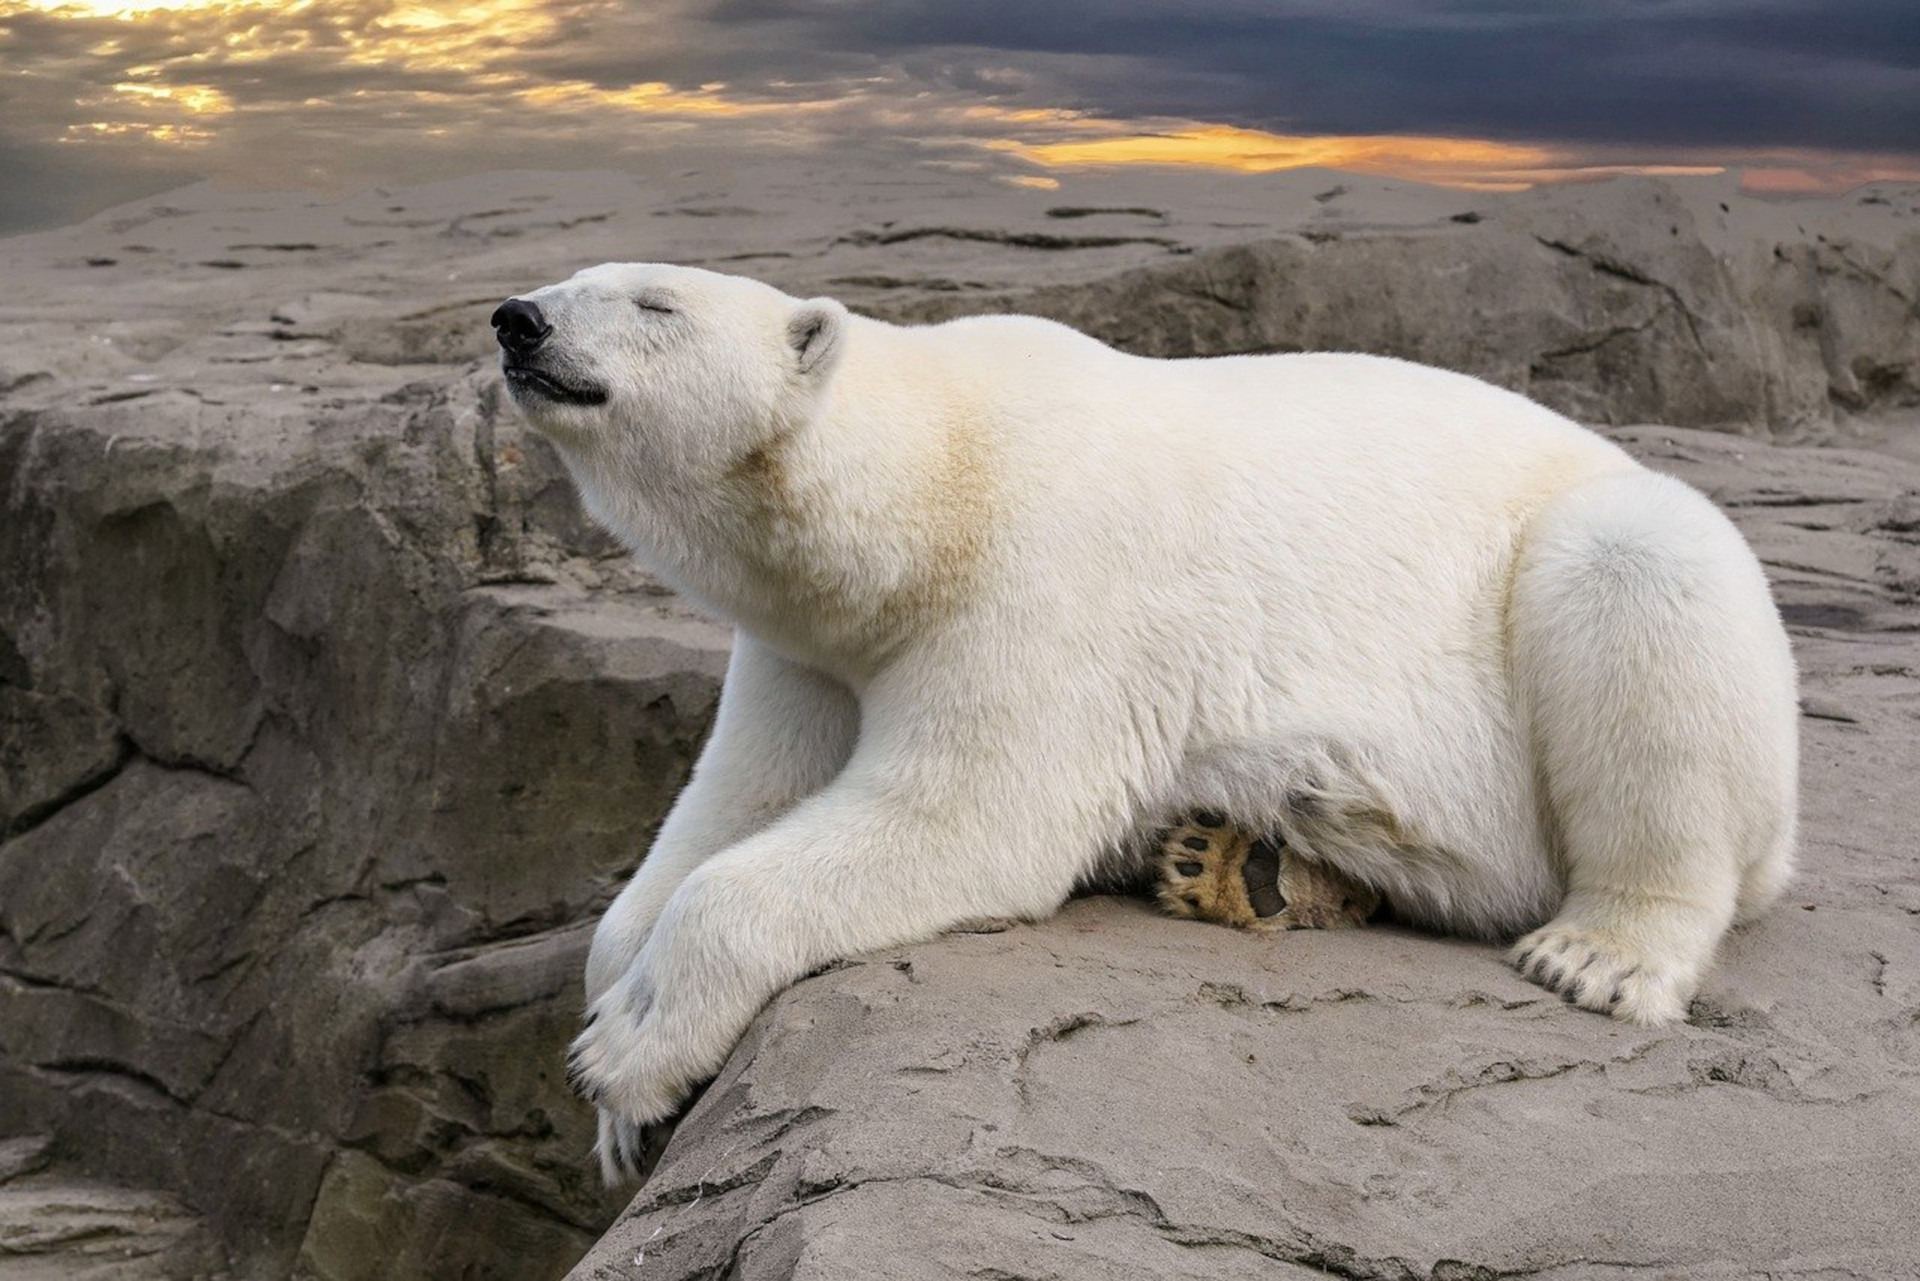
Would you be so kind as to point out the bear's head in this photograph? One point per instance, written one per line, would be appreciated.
(670, 372)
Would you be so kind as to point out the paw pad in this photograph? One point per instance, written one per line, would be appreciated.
(1213, 870)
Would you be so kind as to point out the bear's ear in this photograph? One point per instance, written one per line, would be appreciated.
(814, 333)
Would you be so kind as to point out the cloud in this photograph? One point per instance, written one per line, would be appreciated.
(110, 96)
(1752, 73)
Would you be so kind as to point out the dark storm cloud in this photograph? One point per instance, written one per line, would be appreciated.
(1799, 73)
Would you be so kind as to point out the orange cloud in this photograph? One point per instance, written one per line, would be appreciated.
(1213, 146)
(1475, 163)
(1068, 140)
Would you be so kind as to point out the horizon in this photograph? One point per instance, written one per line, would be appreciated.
(112, 100)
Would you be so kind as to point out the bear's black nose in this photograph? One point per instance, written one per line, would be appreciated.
(520, 327)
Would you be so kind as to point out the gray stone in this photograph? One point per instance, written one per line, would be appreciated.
(76, 1230)
(349, 733)
(1595, 310)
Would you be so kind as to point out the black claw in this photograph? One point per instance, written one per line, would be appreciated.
(1189, 869)
(1196, 842)
(625, 1138)
(578, 1083)
(591, 1016)
(1209, 818)
(1619, 995)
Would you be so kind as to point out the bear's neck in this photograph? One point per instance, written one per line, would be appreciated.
(844, 535)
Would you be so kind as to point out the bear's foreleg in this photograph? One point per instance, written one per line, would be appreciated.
(782, 733)
(914, 838)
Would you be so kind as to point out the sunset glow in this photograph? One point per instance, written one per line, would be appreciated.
(241, 85)
(1110, 144)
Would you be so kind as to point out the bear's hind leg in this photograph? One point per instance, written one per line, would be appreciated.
(1661, 693)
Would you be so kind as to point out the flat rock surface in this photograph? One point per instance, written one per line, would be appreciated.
(1115, 1094)
(328, 726)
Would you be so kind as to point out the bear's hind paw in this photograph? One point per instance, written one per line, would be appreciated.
(1214, 870)
(1201, 865)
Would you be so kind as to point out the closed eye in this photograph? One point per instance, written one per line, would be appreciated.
(651, 304)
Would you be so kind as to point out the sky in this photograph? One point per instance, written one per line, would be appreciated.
(102, 101)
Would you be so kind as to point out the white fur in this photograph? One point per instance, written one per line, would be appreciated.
(1007, 599)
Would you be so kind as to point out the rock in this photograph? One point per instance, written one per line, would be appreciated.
(70, 1230)
(350, 729)
(1587, 305)
(1117, 1094)
(328, 725)
(27, 1154)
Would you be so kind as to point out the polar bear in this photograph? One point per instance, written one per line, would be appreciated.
(1007, 598)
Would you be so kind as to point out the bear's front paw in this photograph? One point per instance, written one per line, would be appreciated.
(627, 1152)
(619, 1063)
